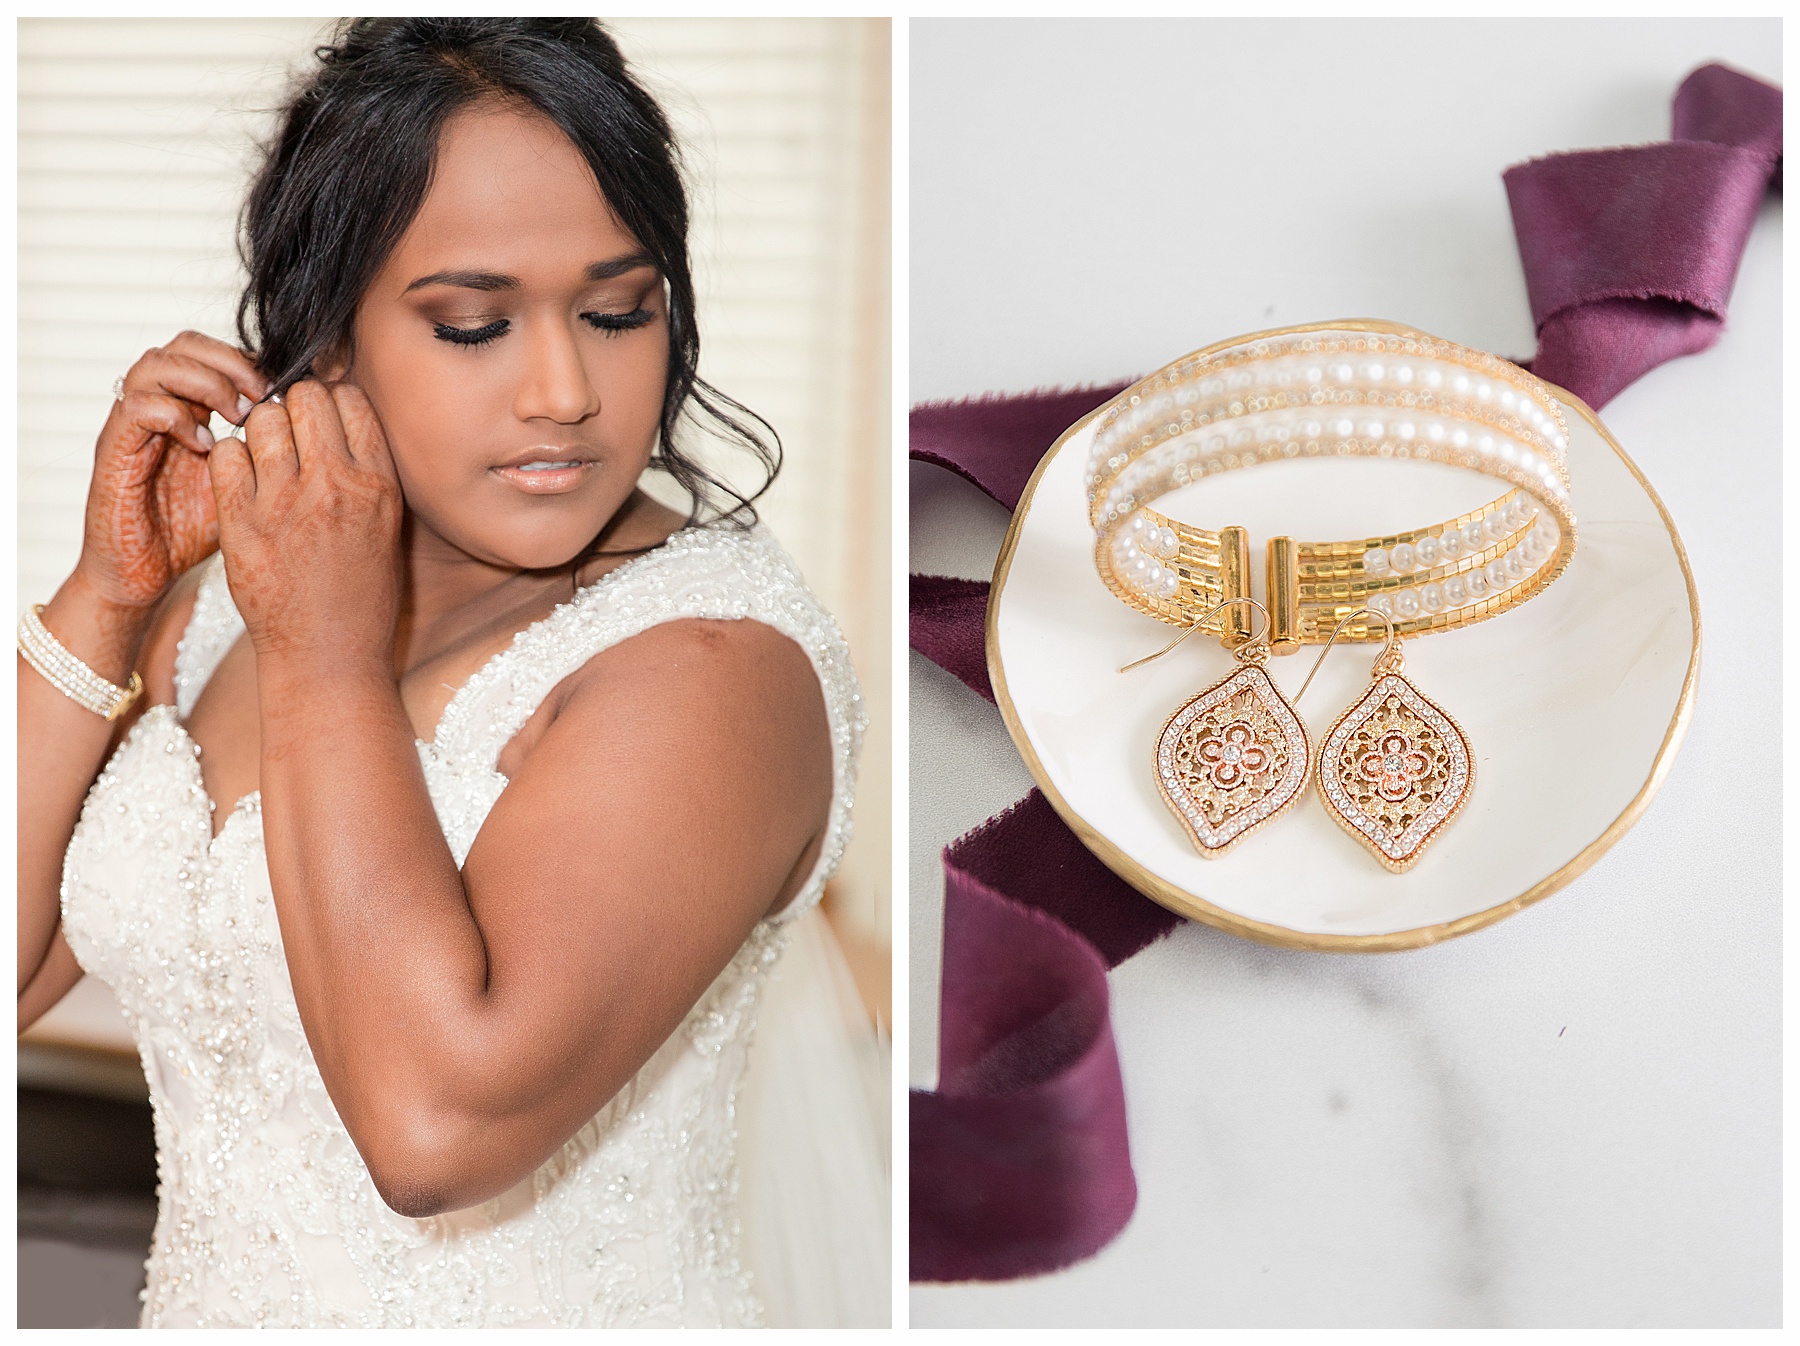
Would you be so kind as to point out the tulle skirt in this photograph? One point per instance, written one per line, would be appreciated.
(813, 1135)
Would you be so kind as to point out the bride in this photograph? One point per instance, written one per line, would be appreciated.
(474, 801)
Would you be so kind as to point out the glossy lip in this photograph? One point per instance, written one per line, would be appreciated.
(549, 480)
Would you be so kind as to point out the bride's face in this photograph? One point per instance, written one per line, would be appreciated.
(515, 346)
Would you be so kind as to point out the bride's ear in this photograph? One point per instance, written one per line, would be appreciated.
(333, 366)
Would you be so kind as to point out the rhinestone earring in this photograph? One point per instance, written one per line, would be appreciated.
(1234, 756)
(1395, 769)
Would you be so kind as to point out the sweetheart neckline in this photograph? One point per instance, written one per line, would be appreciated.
(238, 809)
(255, 796)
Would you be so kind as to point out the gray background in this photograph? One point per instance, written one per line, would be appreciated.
(1571, 1118)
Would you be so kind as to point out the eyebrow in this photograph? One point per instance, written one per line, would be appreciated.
(494, 280)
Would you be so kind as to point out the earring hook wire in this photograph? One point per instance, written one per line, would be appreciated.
(1201, 621)
(1393, 639)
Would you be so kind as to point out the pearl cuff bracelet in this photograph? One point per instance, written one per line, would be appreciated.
(74, 679)
(1332, 390)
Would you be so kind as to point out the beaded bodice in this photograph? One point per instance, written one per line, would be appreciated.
(267, 1213)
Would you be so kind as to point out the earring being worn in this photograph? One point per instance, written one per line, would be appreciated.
(1395, 769)
(1236, 755)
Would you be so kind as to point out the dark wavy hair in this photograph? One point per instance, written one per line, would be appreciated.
(352, 159)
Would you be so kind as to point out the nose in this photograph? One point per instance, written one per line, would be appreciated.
(554, 384)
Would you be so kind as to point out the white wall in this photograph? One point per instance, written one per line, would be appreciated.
(136, 137)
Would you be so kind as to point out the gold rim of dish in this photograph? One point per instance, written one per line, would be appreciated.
(1197, 908)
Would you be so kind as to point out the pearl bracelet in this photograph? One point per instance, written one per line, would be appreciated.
(74, 679)
(1334, 390)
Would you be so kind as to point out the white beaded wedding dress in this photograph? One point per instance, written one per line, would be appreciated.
(738, 1179)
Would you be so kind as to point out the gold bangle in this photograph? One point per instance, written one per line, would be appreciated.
(74, 679)
(1332, 393)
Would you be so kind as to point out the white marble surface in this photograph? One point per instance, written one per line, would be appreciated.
(1572, 1118)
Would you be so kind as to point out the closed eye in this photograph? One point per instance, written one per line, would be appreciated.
(471, 336)
(613, 323)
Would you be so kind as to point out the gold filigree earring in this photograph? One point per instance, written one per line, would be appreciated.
(1395, 769)
(1234, 756)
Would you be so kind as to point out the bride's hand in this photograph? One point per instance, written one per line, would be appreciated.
(309, 521)
(150, 511)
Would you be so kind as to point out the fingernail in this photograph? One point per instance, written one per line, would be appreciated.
(204, 435)
(244, 405)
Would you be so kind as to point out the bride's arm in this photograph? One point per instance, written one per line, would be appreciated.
(466, 1024)
(149, 519)
(59, 755)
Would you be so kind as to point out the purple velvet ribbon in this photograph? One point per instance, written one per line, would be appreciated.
(1630, 254)
(1020, 1159)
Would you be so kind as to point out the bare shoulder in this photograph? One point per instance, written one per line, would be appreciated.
(704, 667)
(707, 649)
(738, 691)
(696, 755)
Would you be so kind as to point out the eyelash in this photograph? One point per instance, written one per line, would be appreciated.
(611, 324)
(614, 323)
(470, 336)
